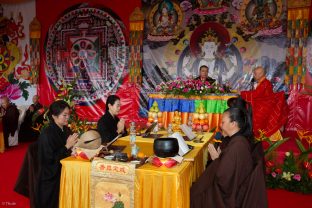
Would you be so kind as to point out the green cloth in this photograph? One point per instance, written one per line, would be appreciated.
(212, 106)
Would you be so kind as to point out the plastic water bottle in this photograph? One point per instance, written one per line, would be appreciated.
(132, 133)
(134, 151)
(155, 130)
(170, 130)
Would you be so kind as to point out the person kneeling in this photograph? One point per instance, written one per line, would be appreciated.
(227, 180)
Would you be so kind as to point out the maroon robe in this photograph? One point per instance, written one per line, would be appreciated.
(10, 122)
(269, 109)
(235, 179)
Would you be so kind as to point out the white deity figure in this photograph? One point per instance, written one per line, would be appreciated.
(221, 68)
(187, 65)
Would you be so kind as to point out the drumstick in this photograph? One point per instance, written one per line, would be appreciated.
(118, 136)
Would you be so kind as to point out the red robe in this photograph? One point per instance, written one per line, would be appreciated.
(269, 109)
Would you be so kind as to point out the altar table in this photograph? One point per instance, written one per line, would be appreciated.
(154, 187)
(214, 105)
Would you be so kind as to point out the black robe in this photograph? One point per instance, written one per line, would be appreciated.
(26, 132)
(227, 181)
(10, 122)
(27, 180)
(51, 149)
(107, 127)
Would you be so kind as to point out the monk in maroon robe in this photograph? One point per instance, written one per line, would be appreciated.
(269, 109)
(10, 114)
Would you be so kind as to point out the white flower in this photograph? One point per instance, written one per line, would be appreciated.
(287, 154)
(287, 176)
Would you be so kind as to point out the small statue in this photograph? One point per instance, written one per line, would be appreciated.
(176, 121)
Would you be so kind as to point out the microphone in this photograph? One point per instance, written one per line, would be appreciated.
(218, 136)
(252, 81)
(221, 141)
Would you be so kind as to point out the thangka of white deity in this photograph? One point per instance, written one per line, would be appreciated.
(211, 45)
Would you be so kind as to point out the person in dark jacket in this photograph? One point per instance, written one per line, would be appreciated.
(235, 178)
(10, 114)
(109, 125)
(54, 144)
(203, 75)
(26, 132)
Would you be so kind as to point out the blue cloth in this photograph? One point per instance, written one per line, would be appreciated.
(171, 105)
(185, 105)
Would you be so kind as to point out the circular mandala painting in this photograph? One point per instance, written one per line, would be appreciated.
(86, 46)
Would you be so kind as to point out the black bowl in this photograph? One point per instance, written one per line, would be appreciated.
(166, 147)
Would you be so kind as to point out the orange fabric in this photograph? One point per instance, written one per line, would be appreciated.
(269, 109)
(214, 119)
(184, 117)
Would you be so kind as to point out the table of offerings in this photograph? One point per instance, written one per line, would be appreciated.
(106, 183)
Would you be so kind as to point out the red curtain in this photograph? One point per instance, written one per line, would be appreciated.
(300, 112)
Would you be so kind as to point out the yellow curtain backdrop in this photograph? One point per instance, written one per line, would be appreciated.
(297, 33)
(135, 45)
(34, 46)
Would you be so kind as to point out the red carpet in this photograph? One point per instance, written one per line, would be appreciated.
(12, 159)
(286, 199)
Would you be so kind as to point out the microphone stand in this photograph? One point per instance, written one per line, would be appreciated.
(252, 82)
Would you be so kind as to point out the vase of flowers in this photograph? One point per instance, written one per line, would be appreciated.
(294, 173)
(190, 87)
(69, 95)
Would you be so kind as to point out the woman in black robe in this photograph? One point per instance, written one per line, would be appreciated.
(54, 144)
(109, 125)
(235, 178)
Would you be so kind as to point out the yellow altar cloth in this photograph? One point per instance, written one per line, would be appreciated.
(154, 187)
(75, 183)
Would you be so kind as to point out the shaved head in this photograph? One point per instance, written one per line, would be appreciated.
(5, 102)
(259, 73)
